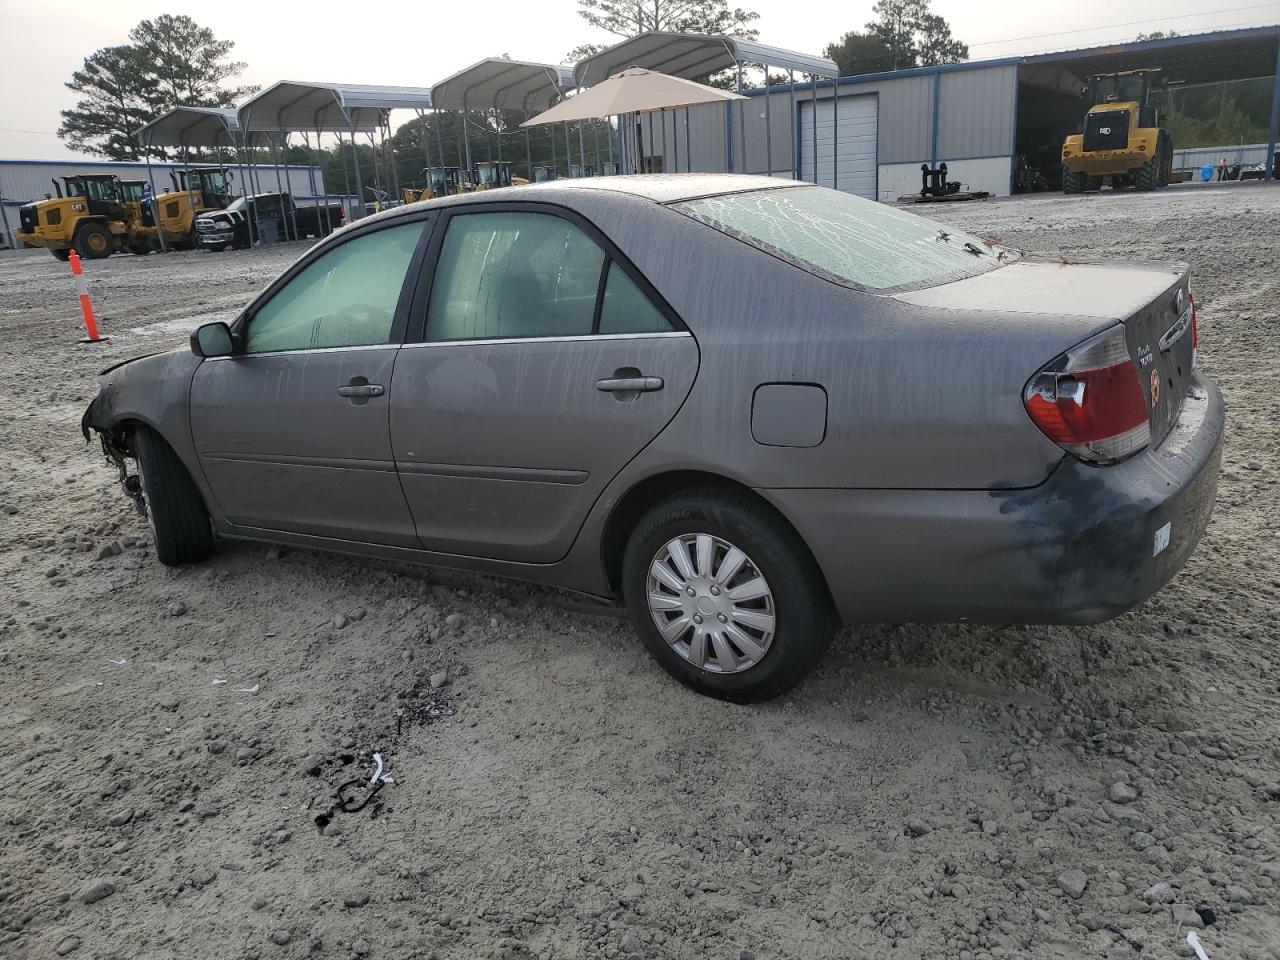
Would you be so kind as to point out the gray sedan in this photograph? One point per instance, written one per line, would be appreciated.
(750, 408)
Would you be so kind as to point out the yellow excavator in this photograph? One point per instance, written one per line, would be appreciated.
(196, 191)
(90, 215)
(1122, 142)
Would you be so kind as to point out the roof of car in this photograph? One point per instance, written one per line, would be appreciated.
(659, 187)
(668, 187)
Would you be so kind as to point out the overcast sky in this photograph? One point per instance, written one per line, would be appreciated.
(417, 44)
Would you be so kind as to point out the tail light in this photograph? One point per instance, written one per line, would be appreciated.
(342, 215)
(1089, 401)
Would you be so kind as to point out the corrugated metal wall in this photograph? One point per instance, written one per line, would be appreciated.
(976, 116)
(22, 181)
(975, 119)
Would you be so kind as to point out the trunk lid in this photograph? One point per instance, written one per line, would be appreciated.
(1152, 301)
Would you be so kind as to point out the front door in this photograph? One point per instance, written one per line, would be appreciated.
(291, 430)
(547, 364)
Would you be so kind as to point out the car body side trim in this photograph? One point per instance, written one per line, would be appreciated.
(305, 350)
(571, 339)
(333, 463)
(475, 472)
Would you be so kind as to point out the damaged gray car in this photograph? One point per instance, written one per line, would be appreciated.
(749, 408)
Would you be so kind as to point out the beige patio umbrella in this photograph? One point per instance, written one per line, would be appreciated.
(633, 91)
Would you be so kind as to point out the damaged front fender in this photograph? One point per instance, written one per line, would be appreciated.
(154, 392)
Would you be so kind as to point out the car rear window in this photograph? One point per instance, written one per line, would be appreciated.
(852, 241)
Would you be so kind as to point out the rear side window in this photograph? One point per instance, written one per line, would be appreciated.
(625, 308)
(504, 275)
(847, 239)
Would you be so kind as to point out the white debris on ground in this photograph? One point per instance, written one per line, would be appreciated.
(948, 791)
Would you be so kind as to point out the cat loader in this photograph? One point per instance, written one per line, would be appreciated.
(440, 182)
(1122, 142)
(90, 216)
(196, 191)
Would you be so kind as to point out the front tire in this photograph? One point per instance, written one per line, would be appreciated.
(176, 513)
(63, 255)
(1073, 182)
(94, 242)
(725, 596)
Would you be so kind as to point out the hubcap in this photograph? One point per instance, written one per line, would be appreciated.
(711, 603)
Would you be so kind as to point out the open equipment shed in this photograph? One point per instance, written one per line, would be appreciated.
(989, 121)
(1237, 63)
(337, 108)
(739, 137)
(501, 84)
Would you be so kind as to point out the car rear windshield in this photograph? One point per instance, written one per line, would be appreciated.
(849, 240)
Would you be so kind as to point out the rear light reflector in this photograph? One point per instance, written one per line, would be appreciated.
(1089, 401)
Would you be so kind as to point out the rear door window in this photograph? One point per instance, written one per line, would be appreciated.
(514, 274)
(847, 239)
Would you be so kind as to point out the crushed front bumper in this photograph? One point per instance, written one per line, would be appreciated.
(1084, 546)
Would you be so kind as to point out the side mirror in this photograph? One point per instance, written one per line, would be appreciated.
(212, 340)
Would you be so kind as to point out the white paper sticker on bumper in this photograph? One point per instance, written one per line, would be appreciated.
(1162, 540)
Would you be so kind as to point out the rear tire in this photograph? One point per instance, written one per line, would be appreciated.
(63, 255)
(177, 515)
(94, 242)
(761, 664)
(1073, 182)
(216, 247)
(1148, 175)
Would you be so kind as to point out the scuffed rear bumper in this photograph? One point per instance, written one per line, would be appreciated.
(1079, 548)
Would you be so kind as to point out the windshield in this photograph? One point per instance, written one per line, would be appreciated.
(849, 240)
(236, 205)
(1118, 89)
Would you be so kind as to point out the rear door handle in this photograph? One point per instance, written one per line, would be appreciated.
(362, 390)
(629, 384)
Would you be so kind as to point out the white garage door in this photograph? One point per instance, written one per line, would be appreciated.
(850, 164)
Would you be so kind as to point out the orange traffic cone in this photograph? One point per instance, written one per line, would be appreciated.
(86, 305)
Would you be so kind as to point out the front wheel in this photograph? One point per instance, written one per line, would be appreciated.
(94, 241)
(175, 511)
(63, 255)
(726, 597)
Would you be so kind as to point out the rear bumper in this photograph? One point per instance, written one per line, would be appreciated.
(1084, 546)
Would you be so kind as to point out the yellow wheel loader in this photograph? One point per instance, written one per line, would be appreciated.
(136, 200)
(1122, 142)
(196, 191)
(89, 217)
(440, 182)
(491, 174)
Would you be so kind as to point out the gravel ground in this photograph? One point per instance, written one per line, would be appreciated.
(961, 792)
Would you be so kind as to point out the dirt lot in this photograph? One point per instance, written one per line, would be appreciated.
(931, 792)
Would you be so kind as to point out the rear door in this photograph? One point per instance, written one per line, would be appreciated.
(291, 431)
(546, 364)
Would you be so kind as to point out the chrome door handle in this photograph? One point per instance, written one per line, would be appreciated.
(629, 384)
(362, 390)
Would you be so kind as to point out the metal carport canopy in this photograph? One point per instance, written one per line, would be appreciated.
(192, 127)
(332, 107)
(504, 85)
(694, 56)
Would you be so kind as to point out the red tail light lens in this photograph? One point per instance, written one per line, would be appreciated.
(1089, 401)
